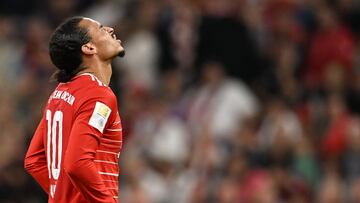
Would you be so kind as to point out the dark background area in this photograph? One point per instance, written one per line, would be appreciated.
(221, 100)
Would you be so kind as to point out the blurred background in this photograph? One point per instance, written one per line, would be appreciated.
(222, 101)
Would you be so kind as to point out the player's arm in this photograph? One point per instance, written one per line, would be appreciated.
(83, 143)
(35, 159)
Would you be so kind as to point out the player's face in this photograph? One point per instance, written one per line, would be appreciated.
(104, 39)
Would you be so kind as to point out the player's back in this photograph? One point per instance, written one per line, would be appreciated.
(89, 105)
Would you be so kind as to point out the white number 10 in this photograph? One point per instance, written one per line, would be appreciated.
(54, 142)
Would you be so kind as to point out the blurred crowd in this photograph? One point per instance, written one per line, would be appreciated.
(222, 101)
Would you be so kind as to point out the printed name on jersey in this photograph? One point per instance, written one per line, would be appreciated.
(100, 116)
(64, 95)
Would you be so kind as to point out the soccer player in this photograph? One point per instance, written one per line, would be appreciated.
(74, 152)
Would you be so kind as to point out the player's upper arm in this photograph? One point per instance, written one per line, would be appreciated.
(96, 110)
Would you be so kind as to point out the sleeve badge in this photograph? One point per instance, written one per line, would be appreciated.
(100, 116)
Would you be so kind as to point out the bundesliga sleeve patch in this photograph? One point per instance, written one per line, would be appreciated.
(100, 116)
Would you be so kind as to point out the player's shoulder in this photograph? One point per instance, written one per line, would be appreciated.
(91, 88)
(91, 84)
(87, 79)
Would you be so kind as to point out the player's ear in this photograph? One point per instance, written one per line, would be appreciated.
(88, 49)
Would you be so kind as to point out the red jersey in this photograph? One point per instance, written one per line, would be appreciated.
(74, 152)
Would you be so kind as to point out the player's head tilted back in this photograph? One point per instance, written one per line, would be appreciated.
(79, 39)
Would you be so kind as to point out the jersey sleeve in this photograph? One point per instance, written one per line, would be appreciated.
(35, 158)
(93, 115)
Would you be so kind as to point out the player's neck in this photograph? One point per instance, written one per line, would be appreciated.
(101, 70)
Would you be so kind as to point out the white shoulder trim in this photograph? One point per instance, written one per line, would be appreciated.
(93, 78)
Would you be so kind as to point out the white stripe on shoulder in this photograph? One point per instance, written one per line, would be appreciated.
(94, 78)
(89, 74)
(100, 83)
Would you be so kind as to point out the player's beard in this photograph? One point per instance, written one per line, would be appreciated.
(121, 53)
